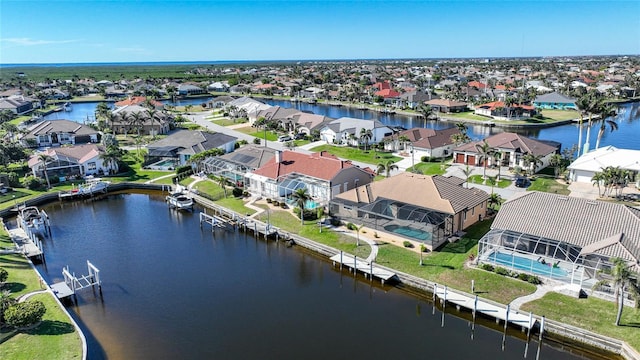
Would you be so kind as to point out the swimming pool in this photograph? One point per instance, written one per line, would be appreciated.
(309, 204)
(166, 164)
(527, 264)
(408, 232)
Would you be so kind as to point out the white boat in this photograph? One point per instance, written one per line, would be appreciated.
(66, 106)
(33, 220)
(90, 187)
(179, 200)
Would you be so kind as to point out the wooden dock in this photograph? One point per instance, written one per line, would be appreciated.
(476, 304)
(29, 246)
(369, 269)
(72, 283)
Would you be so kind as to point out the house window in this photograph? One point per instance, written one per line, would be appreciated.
(43, 138)
(91, 165)
(346, 186)
(64, 137)
(473, 211)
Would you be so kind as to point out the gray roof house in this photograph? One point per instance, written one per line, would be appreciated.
(554, 100)
(565, 238)
(435, 143)
(235, 165)
(59, 132)
(182, 144)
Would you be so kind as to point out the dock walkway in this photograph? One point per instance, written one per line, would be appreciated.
(368, 268)
(485, 307)
(26, 245)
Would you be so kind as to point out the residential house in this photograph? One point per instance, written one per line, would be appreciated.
(584, 167)
(413, 99)
(305, 123)
(183, 144)
(312, 92)
(140, 100)
(273, 113)
(322, 174)
(235, 165)
(564, 238)
(59, 132)
(446, 105)
(434, 143)
(250, 105)
(189, 89)
(421, 208)
(125, 123)
(219, 86)
(555, 100)
(348, 131)
(77, 160)
(512, 148)
(500, 110)
(16, 105)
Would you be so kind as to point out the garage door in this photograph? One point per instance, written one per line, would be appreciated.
(471, 160)
(459, 158)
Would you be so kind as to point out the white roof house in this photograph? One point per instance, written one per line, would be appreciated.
(584, 167)
(347, 130)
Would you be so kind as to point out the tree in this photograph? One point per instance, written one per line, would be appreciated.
(531, 162)
(6, 301)
(606, 112)
(25, 314)
(598, 179)
(403, 140)
(556, 161)
(583, 106)
(111, 158)
(497, 158)
(222, 182)
(301, 196)
(495, 200)
(486, 152)
(621, 279)
(152, 113)
(45, 159)
(365, 136)
(467, 172)
(136, 119)
(426, 111)
(386, 166)
(593, 106)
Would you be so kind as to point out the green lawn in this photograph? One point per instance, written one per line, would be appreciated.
(561, 114)
(55, 338)
(469, 115)
(591, 314)
(477, 179)
(211, 188)
(350, 153)
(222, 121)
(430, 168)
(548, 185)
(235, 204)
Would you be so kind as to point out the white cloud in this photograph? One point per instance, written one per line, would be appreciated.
(32, 42)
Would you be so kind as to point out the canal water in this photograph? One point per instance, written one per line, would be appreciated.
(174, 291)
(628, 120)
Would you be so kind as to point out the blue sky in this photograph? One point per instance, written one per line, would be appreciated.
(121, 31)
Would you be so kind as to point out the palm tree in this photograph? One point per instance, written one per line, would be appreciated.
(301, 196)
(597, 179)
(556, 161)
(594, 105)
(222, 182)
(386, 166)
(403, 140)
(605, 113)
(532, 161)
(467, 172)
(365, 137)
(495, 199)
(497, 157)
(621, 279)
(111, 158)
(583, 107)
(152, 113)
(45, 158)
(136, 120)
(486, 152)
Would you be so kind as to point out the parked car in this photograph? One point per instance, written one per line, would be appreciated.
(522, 182)
(284, 138)
(300, 136)
(4, 189)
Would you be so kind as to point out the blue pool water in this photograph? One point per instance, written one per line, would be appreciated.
(310, 204)
(527, 264)
(409, 232)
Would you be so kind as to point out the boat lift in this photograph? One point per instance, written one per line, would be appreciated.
(72, 283)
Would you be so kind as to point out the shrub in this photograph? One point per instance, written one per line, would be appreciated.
(487, 267)
(502, 271)
(25, 314)
(352, 226)
(6, 301)
(237, 192)
(407, 244)
(335, 221)
(245, 193)
(283, 205)
(309, 214)
(424, 159)
(3, 276)
(269, 201)
(183, 169)
(242, 142)
(33, 183)
(534, 280)
(257, 141)
(523, 277)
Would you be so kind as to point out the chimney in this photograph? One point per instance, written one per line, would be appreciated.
(278, 156)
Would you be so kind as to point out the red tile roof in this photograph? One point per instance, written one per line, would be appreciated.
(477, 84)
(321, 165)
(387, 93)
(136, 100)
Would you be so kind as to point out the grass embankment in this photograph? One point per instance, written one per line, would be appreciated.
(549, 117)
(429, 168)
(350, 153)
(55, 337)
(549, 185)
(591, 314)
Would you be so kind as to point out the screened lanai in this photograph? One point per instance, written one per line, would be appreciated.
(234, 172)
(416, 223)
(317, 189)
(544, 257)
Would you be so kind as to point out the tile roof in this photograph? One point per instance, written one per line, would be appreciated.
(59, 126)
(554, 97)
(79, 153)
(438, 193)
(191, 142)
(428, 138)
(600, 158)
(600, 227)
(137, 100)
(252, 156)
(321, 165)
(511, 141)
(445, 102)
(387, 93)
